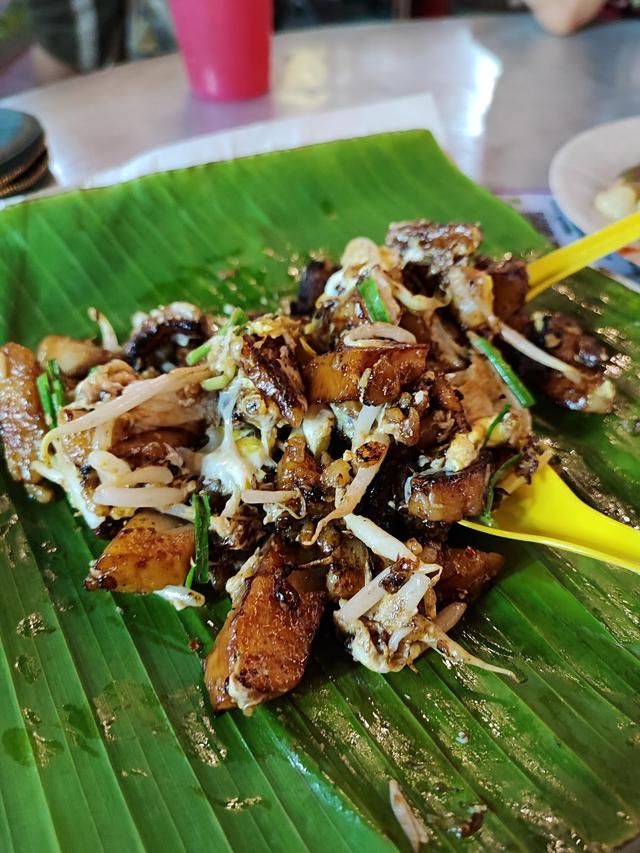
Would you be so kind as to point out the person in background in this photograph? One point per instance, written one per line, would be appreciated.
(76, 36)
(566, 16)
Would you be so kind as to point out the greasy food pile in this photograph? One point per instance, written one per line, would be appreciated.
(310, 460)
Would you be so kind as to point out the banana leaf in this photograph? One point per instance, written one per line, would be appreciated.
(107, 741)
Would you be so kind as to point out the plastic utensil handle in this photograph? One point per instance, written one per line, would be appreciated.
(548, 512)
(560, 544)
(561, 263)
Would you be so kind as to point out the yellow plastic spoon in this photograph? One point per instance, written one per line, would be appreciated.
(561, 263)
(548, 512)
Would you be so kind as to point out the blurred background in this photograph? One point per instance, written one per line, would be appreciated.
(151, 36)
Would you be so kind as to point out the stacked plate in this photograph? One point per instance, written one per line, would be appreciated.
(24, 159)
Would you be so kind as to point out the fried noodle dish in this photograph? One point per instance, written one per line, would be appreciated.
(307, 461)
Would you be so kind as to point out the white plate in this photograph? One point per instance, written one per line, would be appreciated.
(589, 163)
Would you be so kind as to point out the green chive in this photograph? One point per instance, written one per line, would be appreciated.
(494, 423)
(217, 383)
(198, 353)
(236, 318)
(486, 516)
(373, 302)
(56, 385)
(505, 371)
(202, 516)
(44, 392)
(188, 581)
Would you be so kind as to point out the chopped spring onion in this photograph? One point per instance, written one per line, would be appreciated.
(188, 581)
(236, 318)
(486, 517)
(42, 384)
(494, 423)
(217, 383)
(199, 571)
(51, 391)
(505, 371)
(55, 383)
(198, 353)
(373, 302)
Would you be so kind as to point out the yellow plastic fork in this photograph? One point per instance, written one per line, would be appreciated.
(548, 512)
(561, 263)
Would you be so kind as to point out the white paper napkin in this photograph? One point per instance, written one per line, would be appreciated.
(409, 113)
(415, 112)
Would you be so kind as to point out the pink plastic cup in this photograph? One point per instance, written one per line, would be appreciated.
(225, 45)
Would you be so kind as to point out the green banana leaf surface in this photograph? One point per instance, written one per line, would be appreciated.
(106, 738)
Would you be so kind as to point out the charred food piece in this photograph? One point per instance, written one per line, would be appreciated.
(334, 317)
(449, 497)
(436, 246)
(595, 395)
(150, 552)
(154, 447)
(374, 375)
(445, 414)
(271, 367)
(312, 281)
(418, 279)
(351, 565)
(510, 287)
(75, 358)
(22, 422)
(563, 338)
(163, 334)
(263, 647)
(466, 572)
(418, 325)
(225, 562)
(297, 468)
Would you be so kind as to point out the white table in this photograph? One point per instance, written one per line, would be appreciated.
(509, 94)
